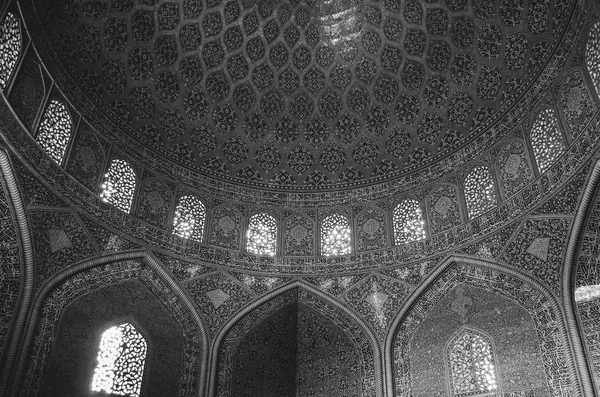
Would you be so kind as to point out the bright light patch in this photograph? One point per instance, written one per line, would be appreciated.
(119, 185)
(587, 293)
(55, 130)
(546, 140)
(262, 235)
(189, 218)
(120, 360)
(408, 222)
(471, 361)
(335, 236)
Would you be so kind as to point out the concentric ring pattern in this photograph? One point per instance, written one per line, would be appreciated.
(304, 93)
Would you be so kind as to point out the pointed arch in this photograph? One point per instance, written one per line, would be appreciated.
(359, 331)
(467, 269)
(122, 266)
(119, 185)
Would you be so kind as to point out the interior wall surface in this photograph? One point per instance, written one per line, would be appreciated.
(74, 354)
(518, 359)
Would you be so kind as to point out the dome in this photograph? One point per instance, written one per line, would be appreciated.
(299, 198)
(300, 95)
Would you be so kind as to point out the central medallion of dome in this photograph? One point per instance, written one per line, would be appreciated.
(303, 94)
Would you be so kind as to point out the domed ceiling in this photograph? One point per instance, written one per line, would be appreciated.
(303, 94)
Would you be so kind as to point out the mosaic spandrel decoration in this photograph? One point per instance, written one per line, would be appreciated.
(377, 300)
(409, 224)
(60, 240)
(225, 227)
(371, 230)
(119, 185)
(260, 284)
(335, 235)
(120, 361)
(261, 237)
(538, 248)
(55, 130)
(218, 296)
(189, 219)
(480, 191)
(546, 139)
(10, 46)
(592, 55)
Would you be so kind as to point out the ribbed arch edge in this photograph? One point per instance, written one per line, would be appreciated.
(569, 279)
(214, 356)
(28, 268)
(446, 265)
(150, 261)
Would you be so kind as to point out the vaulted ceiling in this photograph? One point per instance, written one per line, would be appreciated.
(301, 95)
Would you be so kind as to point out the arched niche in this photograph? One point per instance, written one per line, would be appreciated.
(523, 319)
(73, 356)
(297, 343)
(151, 290)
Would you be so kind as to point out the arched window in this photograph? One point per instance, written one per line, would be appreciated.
(10, 47)
(262, 235)
(189, 218)
(335, 236)
(592, 55)
(408, 222)
(121, 358)
(546, 140)
(471, 363)
(119, 185)
(479, 191)
(55, 130)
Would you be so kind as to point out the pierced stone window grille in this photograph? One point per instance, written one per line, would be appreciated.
(55, 130)
(592, 55)
(190, 215)
(472, 364)
(262, 235)
(10, 47)
(479, 191)
(121, 358)
(119, 185)
(408, 222)
(546, 139)
(335, 236)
